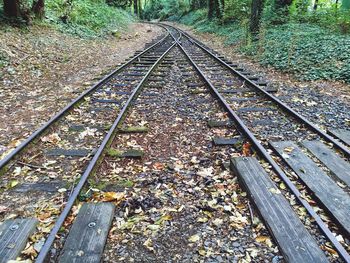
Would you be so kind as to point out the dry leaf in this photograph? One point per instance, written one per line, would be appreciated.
(3, 209)
(158, 166)
(246, 149)
(112, 196)
(194, 238)
(261, 239)
(330, 250)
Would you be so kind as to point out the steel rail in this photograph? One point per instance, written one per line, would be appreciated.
(51, 238)
(284, 106)
(55, 118)
(262, 151)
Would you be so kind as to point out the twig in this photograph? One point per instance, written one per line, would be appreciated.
(31, 165)
(251, 213)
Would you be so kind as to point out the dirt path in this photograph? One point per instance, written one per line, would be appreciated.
(43, 69)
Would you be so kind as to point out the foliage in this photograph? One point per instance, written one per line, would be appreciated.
(311, 52)
(236, 10)
(86, 17)
(166, 9)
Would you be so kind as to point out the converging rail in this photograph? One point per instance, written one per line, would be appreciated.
(295, 165)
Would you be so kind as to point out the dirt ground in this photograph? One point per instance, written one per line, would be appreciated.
(41, 70)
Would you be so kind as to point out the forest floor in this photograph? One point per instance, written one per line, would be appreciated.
(42, 70)
(326, 103)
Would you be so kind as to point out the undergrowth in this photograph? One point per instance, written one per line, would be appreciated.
(85, 18)
(309, 51)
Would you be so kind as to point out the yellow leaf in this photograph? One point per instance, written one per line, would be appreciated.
(13, 183)
(288, 149)
(148, 244)
(194, 238)
(328, 249)
(282, 186)
(112, 196)
(261, 239)
(30, 252)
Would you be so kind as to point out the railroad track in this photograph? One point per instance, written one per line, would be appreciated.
(239, 108)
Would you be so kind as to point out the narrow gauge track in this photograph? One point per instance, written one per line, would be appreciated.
(81, 131)
(196, 53)
(254, 111)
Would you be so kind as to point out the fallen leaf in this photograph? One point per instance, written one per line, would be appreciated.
(246, 149)
(148, 244)
(30, 252)
(52, 138)
(330, 250)
(274, 191)
(261, 239)
(3, 209)
(13, 183)
(288, 149)
(194, 238)
(158, 166)
(112, 196)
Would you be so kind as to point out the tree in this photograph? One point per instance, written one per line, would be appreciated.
(38, 8)
(281, 7)
(136, 7)
(215, 9)
(12, 8)
(255, 17)
(211, 9)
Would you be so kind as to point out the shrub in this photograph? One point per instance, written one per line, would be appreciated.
(86, 17)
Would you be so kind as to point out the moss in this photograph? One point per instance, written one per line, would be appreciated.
(114, 153)
(125, 183)
(131, 153)
(198, 91)
(133, 129)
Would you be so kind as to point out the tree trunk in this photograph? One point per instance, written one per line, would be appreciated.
(39, 8)
(135, 7)
(315, 4)
(11, 8)
(217, 9)
(257, 8)
(211, 9)
(140, 8)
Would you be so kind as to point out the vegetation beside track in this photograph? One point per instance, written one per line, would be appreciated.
(309, 38)
(85, 18)
(310, 51)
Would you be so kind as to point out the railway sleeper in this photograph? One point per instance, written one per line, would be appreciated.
(88, 234)
(14, 234)
(338, 166)
(334, 199)
(342, 135)
(295, 242)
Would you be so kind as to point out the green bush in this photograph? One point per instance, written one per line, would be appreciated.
(86, 17)
(309, 51)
